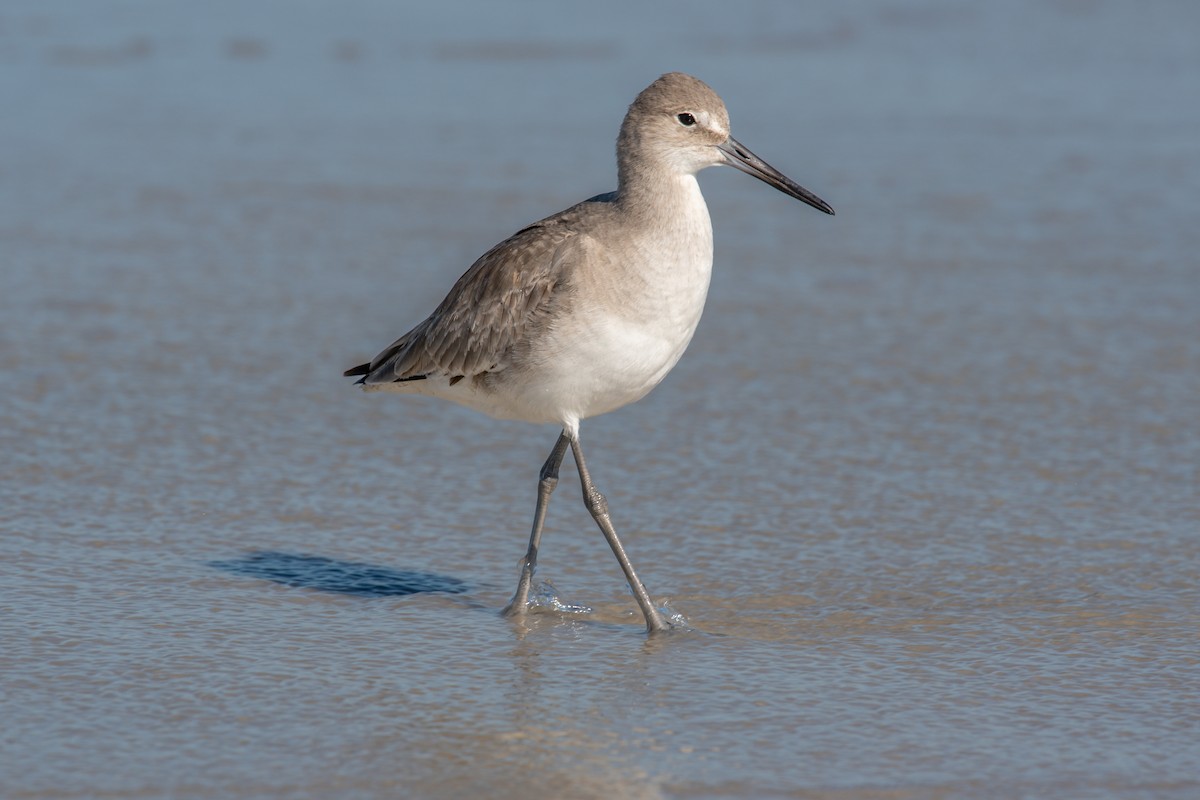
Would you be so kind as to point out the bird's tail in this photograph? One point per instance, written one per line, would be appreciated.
(361, 369)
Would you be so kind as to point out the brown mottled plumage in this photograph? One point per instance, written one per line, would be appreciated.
(508, 295)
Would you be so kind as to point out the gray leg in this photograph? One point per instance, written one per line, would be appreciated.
(548, 480)
(598, 507)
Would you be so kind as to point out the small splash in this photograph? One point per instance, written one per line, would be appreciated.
(676, 620)
(544, 597)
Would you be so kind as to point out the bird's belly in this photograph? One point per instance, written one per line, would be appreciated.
(617, 363)
(576, 377)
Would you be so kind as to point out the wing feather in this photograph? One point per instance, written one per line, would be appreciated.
(490, 309)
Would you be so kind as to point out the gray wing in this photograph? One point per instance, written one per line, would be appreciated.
(501, 299)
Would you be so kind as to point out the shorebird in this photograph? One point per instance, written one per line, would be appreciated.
(587, 310)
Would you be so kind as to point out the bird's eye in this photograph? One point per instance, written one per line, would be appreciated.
(686, 119)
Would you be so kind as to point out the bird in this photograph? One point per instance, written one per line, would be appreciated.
(588, 309)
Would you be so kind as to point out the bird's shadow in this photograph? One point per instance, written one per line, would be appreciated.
(342, 577)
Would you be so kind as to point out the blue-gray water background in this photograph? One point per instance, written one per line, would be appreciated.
(924, 486)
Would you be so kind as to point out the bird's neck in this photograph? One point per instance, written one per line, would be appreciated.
(665, 204)
(670, 232)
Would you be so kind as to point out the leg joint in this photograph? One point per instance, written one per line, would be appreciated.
(597, 506)
(546, 484)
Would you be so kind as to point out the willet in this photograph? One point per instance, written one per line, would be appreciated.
(587, 310)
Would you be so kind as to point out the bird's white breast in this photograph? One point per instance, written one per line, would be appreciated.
(639, 315)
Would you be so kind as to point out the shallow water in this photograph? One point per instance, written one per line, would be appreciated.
(924, 487)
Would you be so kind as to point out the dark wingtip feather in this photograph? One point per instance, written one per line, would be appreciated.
(361, 369)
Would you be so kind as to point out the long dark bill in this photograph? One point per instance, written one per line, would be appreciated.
(739, 156)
